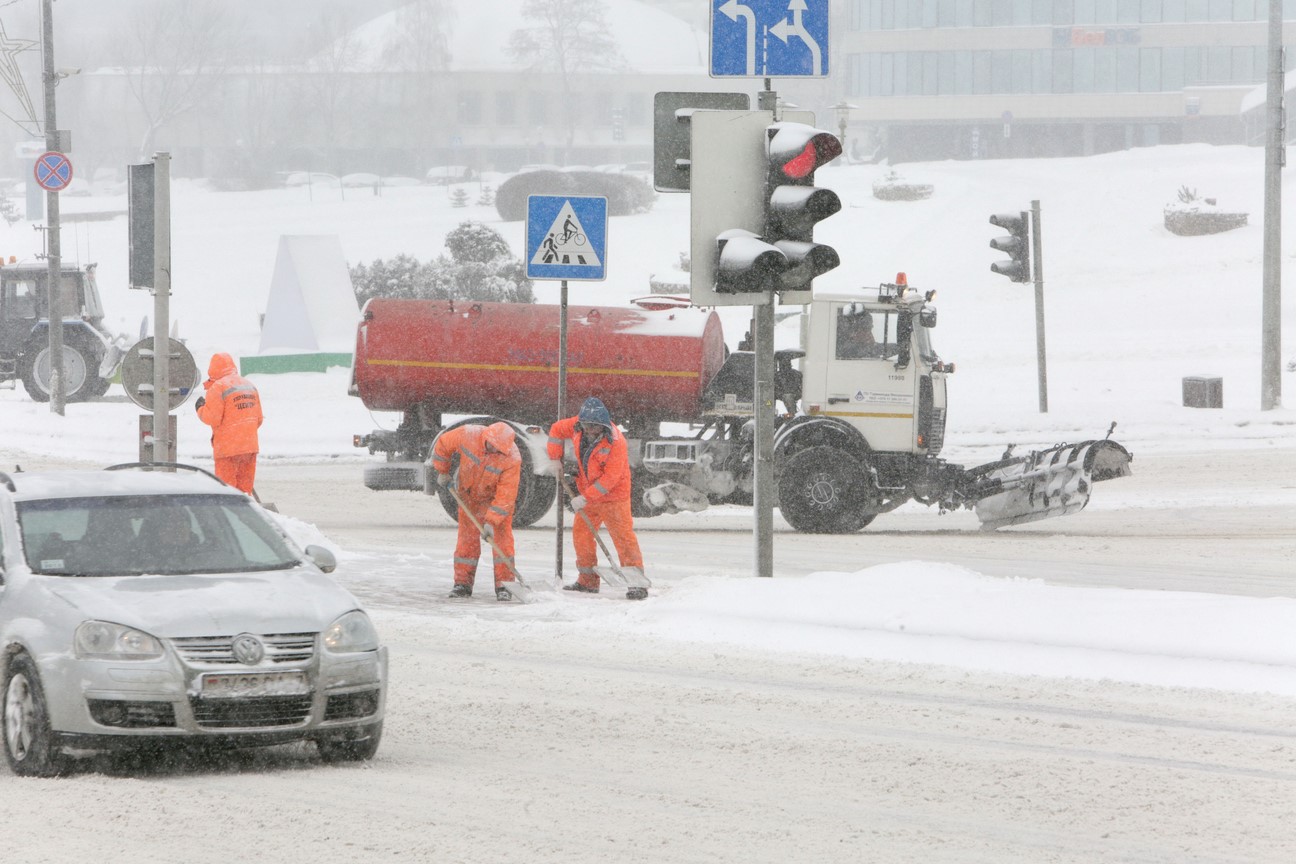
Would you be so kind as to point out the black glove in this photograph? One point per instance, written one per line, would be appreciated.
(202, 400)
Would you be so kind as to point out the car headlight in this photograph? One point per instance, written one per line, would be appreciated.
(350, 633)
(107, 641)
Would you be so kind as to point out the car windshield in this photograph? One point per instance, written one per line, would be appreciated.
(132, 535)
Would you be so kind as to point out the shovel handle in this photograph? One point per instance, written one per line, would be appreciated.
(463, 508)
(571, 493)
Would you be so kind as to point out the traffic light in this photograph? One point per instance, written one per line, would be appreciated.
(794, 205)
(1016, 244)
(746, 263)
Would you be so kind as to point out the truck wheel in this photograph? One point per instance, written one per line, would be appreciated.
(79, 368)
(824, 490)
(534, 500)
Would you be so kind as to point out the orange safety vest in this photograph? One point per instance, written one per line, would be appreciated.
(232, 408)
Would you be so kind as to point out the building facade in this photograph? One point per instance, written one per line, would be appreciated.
(967, 79)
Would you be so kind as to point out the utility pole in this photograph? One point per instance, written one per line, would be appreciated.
(1275, 152)
(54, 256)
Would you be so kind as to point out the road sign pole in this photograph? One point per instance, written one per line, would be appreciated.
(58, 390)
(161, 304)
(562, 411)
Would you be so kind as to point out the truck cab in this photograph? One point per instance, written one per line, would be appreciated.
(869, 363)
(90, 354)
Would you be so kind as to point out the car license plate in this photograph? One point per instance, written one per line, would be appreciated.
(244, 684)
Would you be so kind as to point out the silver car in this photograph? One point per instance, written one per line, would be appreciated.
(146, 606)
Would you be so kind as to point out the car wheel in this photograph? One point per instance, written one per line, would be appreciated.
(824, 490)
(353, 745)
(30, 745)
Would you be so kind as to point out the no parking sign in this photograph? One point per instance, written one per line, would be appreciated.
(53, 171)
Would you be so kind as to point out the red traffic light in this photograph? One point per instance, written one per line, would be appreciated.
(797, 150)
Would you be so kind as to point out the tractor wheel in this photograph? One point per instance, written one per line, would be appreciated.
(825, 490)
(80, 372)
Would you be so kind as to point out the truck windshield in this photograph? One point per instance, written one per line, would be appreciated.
(130, 535)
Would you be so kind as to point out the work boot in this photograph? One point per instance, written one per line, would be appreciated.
(580, 587)
(461, 590)
(503, 594)
(636, 593)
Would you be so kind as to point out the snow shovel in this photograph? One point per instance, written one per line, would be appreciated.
(621, 579)
(518, 588)
(257, 498)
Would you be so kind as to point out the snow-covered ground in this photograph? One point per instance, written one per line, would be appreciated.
(1131, 310)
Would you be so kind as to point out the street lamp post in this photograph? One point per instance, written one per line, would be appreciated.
(843, 109)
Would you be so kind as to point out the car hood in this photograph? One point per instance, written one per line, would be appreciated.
(280, 601)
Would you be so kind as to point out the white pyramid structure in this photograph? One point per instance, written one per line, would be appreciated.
(312, 308)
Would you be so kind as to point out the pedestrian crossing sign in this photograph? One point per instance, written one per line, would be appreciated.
(566, 237)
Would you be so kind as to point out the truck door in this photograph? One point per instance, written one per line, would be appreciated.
(20, 307)
(864, 387)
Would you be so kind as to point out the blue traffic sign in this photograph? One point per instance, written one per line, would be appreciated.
(53, 171)
(769, 38)
(566, 237)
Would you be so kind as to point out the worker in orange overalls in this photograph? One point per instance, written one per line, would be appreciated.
(490, 468)
(603, 481)
(231, 405)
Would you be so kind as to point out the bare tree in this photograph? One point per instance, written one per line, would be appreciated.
(418, 48)
(566, 37)
(173, 56)
(329, 81)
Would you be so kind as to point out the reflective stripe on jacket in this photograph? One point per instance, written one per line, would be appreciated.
(483, 476)
(232, 408)
(605, 474)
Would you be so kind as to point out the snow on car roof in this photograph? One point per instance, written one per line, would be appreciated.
(32, 485)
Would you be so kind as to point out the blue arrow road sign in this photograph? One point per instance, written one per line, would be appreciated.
(53, 171)
(769, 38)
(566, 237)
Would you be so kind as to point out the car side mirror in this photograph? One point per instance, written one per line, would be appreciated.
(927, 318)
(321, 558)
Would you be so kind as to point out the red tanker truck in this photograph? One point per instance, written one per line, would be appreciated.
(863, 426)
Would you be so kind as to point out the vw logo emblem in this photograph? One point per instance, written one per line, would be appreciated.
(248, 649)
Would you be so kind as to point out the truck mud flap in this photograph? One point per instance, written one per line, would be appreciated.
(1044, 483)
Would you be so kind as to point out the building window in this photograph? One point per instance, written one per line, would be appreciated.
(1021, 71)
(1042, 71)
(1149, 70)
(1150, 11)
(1127, 11)
(637, 110)
(505, 108)
(1172, 69)
(981, 72)
(963, 72)
(1173, 11)
(1064, 70)
(537, 115)
(1243, 65)
(470, 107)
(1083, 75)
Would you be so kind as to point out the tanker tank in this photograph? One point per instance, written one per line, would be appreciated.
(501, 359)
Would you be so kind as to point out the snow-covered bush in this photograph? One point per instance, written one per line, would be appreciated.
(479, 267)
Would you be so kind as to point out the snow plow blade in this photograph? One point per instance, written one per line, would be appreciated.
(1044, 483)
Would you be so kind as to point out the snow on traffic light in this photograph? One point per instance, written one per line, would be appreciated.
(1016, 244)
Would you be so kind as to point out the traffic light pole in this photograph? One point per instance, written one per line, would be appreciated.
(763, 406)
(161, 307)
(1038, 255)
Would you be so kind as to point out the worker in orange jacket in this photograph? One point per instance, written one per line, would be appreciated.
(490, 468)
(603, 481)
(231, 405)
